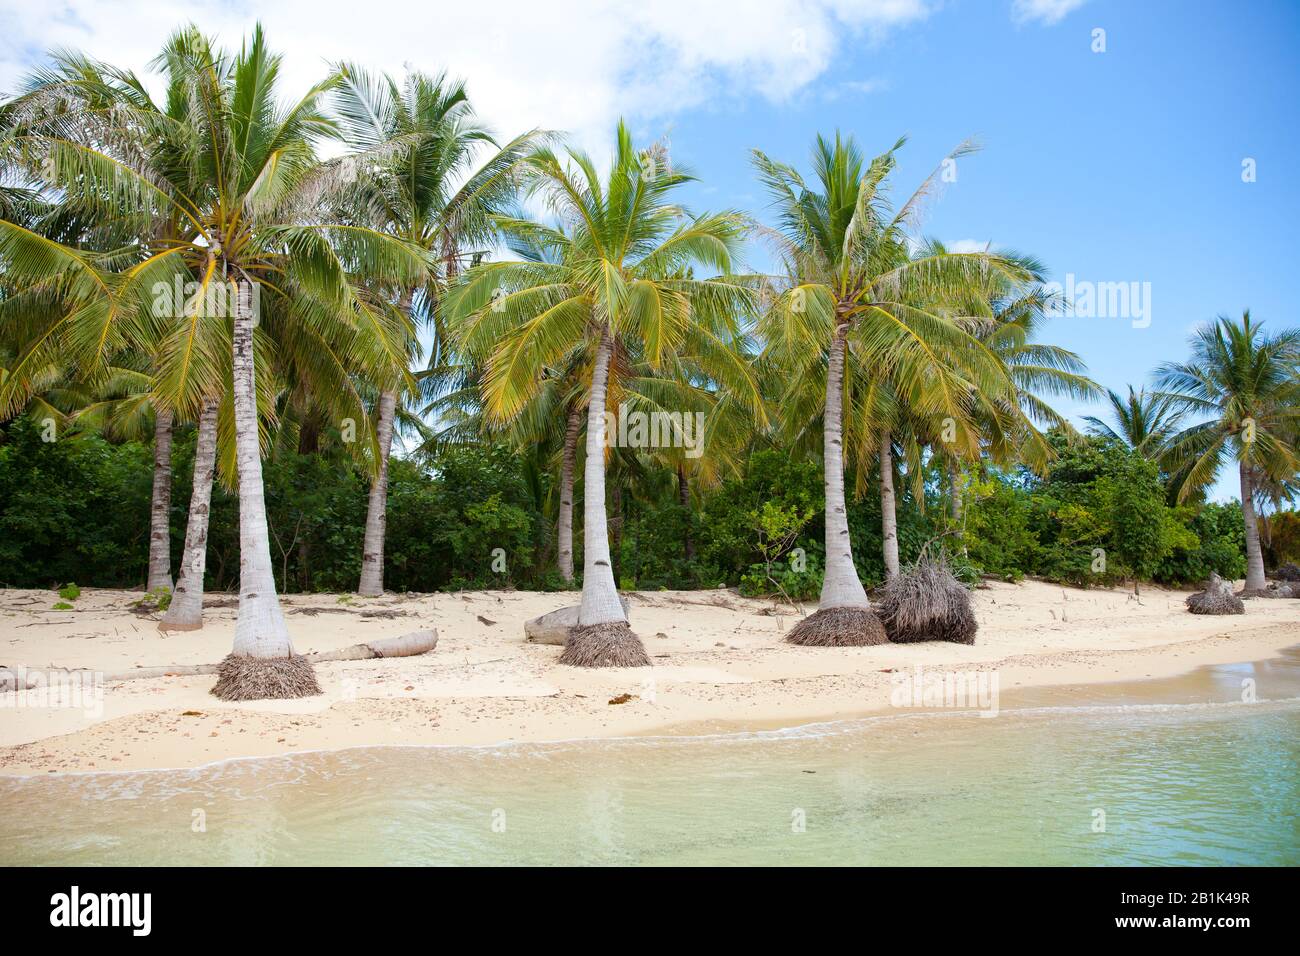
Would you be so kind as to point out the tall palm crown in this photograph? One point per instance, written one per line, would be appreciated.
(612, 275)
(851, 284)
(411, 174)
(222, 180)
(613, 265)
(1143, 421)
(417, 166)
(1245, 383)
(219, 183)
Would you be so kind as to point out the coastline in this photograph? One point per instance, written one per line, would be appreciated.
(720, 667)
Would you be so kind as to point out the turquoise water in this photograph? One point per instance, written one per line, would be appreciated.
(1178, 783)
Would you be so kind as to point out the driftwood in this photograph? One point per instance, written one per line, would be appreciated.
(33, 678)
(408, 645)
(553, 627)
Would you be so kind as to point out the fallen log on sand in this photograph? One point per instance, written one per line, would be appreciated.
(407, 645)
(554, 626)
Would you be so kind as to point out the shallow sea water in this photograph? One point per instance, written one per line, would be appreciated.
(1075, 776)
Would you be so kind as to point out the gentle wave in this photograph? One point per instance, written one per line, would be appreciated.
(293, 767)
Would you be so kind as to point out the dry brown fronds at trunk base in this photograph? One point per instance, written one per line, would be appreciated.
(609, 644)
(839, 627)
(272, 678)
(1288, 572)
(1280, 590)
(1217, 598)
(927, 603)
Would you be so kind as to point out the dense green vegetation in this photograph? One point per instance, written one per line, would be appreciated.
(78, 510)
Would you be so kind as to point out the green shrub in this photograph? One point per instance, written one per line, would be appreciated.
(729, 532)
(157, 599)
(997, 534)
(782, 578)
(1215, 541)
(74, 508)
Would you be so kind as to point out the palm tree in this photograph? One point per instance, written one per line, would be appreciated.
(612, 280)
(1144, 421)
(1246, 382)
(414, 146)
(231, 172)
(850, 285)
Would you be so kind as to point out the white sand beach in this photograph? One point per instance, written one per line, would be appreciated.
(719, 661)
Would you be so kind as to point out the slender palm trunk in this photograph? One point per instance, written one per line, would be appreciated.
(1254, 554)
(616, 531)
(954, 493)
(888, 509)
(160, 535)
(600, 602)
(372, 556)
(260, 631)
(684, 497)
(565, 522)
(841, 586)
(186, 610)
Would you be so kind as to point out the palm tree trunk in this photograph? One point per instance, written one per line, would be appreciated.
(372, 556)
(1254, 554)
(841, 586)
(955, 503)
(684, 496)
(260, 630)
(304, 564)
(954, 493)
(186, 610)
(565, 522)
(888, 512)
(616, 531)
(600, 602)
(160, 535)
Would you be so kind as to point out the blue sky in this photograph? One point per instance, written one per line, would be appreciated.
(1119, 166)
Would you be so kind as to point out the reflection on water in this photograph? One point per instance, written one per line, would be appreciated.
(1114, 782)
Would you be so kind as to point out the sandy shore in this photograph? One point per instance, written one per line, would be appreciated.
(719, 661)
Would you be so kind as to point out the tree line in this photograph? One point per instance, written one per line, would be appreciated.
(190, 267)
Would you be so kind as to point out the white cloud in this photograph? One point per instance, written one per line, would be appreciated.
(1046, 12)
(568, 64)
(969, 245)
